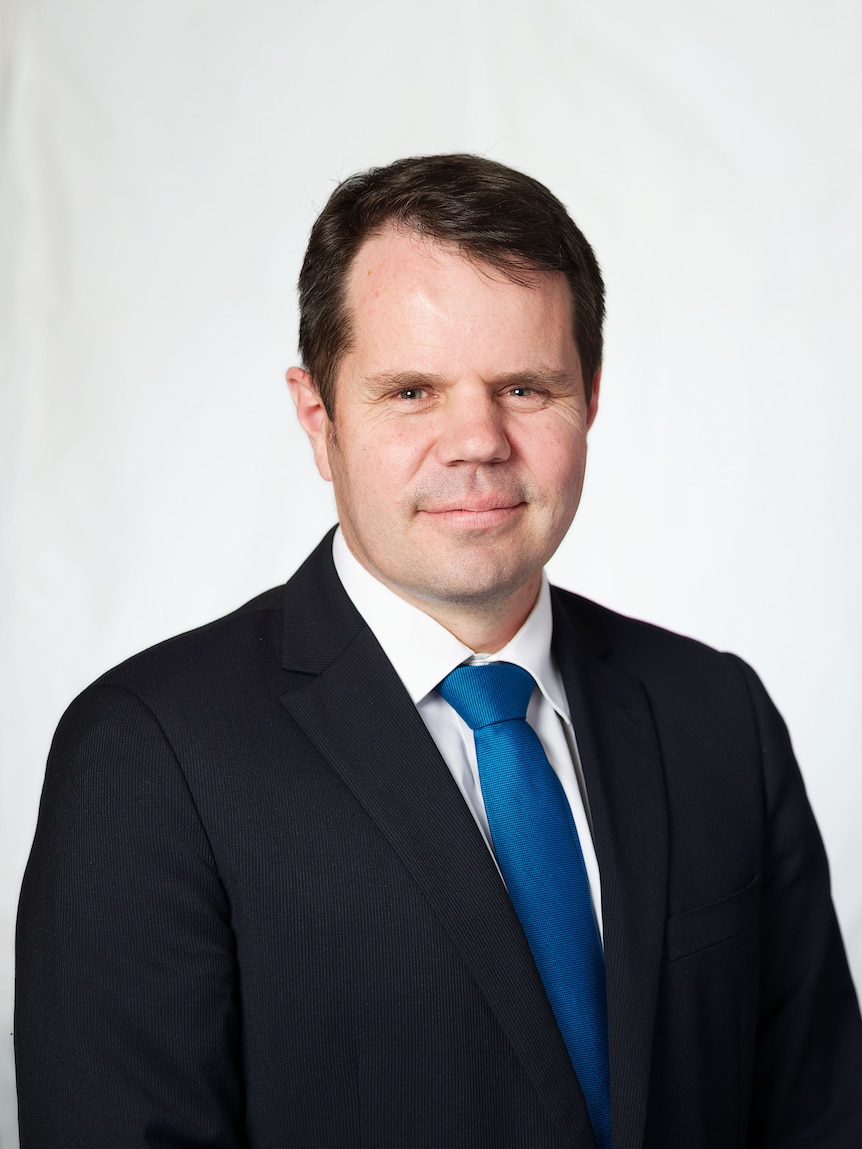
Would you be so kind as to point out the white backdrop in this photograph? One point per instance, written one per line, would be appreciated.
(161, 164)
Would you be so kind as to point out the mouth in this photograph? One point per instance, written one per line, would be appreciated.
(479, 514)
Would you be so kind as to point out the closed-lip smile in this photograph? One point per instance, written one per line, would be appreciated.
(475, 513)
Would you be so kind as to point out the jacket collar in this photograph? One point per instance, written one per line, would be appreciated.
(624, 777)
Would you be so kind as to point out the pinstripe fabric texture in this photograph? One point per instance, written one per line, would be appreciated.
(258, 913)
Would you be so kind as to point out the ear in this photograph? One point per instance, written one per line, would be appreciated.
(593, 406)
(312, 417)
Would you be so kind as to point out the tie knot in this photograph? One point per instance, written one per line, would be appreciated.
(488, 692)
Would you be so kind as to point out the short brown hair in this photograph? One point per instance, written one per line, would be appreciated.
(493, 214)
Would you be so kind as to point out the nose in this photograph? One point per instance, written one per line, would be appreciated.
(471, 428)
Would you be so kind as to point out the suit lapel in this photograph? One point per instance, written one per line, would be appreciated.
(624, 778)
(354, 708)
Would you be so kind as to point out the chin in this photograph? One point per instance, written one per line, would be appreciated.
(478, 585)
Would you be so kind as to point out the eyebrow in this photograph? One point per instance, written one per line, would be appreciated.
(388, 381)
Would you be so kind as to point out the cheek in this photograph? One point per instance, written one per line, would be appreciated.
(556, 460)
(375, 472)
(390, 461)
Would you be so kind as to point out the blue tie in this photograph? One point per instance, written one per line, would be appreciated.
(540, 858)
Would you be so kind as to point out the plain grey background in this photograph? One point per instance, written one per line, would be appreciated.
(161, 165)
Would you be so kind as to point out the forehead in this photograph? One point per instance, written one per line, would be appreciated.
(416, 297)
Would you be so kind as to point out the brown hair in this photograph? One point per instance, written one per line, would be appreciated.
(493, 214)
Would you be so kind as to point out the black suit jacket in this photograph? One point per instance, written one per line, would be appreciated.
(259, 913)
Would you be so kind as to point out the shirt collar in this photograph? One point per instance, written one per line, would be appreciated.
(423, 652)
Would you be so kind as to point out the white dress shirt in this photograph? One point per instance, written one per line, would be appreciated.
(423, 652)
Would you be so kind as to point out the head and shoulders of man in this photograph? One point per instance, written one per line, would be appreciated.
(451, 318)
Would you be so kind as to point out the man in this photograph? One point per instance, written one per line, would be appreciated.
(418, 851)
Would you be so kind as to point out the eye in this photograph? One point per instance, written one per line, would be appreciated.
(522, 398)
(412, 393)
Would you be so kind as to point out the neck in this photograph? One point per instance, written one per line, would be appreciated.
(484, 627)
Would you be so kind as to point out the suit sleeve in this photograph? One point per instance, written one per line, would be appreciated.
(127, 1020)
(808, 1071)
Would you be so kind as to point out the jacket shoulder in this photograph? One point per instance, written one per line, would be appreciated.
(226, 648)
(607, 630)
(675, 670)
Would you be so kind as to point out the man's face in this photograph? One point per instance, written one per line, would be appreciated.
(459, 440)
